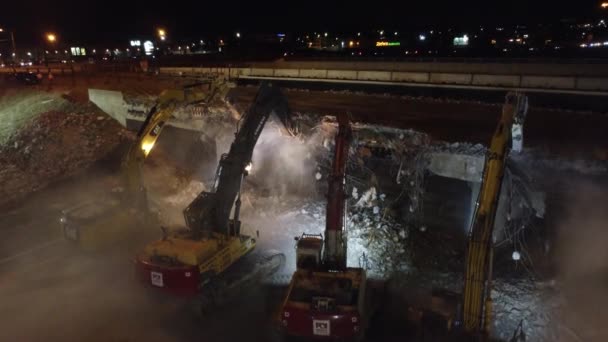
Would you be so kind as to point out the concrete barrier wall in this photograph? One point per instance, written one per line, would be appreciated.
(496, 80)
(374, 76)
(236, 72)
(505, 68)
(451, 78)
(313, 73)
(547, 82)
(481, 80)
(342, 74)
(587, 83)
(418, 77)
(262, 72)
(287, 72)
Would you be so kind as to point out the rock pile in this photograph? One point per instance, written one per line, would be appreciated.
(53, 146)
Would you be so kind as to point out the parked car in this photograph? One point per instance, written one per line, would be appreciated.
(28, 78)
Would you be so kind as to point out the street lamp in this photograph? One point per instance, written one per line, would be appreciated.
(162, 34)
(604, 5)
(51, 38)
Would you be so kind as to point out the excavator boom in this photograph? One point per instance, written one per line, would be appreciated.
(477, 281)
(110, 224)
(210, 211)
(335, 246)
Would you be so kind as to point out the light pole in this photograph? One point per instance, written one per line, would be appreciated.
(162, 34)
(51, 38)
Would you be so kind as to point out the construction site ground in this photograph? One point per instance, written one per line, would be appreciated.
(52, 291)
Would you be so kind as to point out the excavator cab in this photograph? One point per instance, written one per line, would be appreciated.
(308, 251)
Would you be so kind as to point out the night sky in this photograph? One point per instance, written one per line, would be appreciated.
(110, 21)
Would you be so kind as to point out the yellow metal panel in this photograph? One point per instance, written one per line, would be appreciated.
(187, 251)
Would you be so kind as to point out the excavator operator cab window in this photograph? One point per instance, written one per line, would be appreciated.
(307, 261)
(323, 304)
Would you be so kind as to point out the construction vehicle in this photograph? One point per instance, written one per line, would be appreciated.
(477, 300)
(200, 259)
(325, 298)
(103, 221)
(469, 316)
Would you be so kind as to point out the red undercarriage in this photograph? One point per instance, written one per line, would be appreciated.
(178, 280)
(304, 323)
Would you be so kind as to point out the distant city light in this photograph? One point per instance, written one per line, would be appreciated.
(135, 43)
(396, 33)
(461, 41)
(604, 5)
(1, 29)
(325, 34)
(51, 37)
(238, 35)
(383, 44)
(422, 37)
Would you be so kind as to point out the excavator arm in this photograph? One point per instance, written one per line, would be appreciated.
(210, 211)
(335, 246)
(477, 303)
(168, 102)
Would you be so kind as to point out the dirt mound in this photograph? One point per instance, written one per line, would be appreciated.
(51, 147)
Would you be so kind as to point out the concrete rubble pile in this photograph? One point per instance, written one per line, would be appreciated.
(532, 303)
(53, 146)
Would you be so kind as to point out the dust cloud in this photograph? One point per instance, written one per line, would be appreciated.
(284, 165)
(582, 259)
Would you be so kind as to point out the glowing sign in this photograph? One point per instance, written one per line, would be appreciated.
(148, 47)
(135, 43)
(382, 44)
(462, 41)
(77, 51)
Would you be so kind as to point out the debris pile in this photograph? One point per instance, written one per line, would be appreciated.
(528, 302)
(53, 146)
(376, 241)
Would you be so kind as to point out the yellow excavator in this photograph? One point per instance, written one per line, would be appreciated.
(472, 322)
(95, 224)
(477, 299)
(197, 260)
